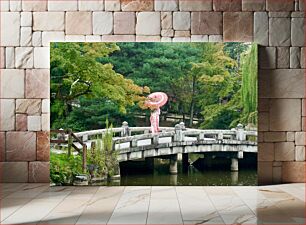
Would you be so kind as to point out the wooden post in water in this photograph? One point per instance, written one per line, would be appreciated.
(69, 142)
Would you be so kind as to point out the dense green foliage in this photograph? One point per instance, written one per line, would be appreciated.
(102, 156)
(249, 89)
(63, 168)
(215, 83)
(76, 73)
(101, 161)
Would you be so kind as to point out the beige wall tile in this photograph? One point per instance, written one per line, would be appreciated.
(34, 5)
(112, 5)
(37, 83)
(284, 151)
(56, 5)
(300, 138)
(43, 146)
(232, 5)
(14, 172)
(124, 22)
(34, 123)
(39, 172)
(7, 114)
(238, 26)
(41, 57)
(137, 5)
(10, 29)
(12, 83)
(293, 172)
(281, 83)
(103, 22)
(265, 152)
(21, 122)
(169, 5)
(285, 115)
(253, 5)
(202, 5)
(181, 21)
(28, 106)
(21, 146)
(275, 136)
(280, 5)
(45, 122)
(142, 28)
(49, 21)
(91, 5)
(206, 23)
(78, 23)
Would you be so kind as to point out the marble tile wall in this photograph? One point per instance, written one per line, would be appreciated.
(28, 26)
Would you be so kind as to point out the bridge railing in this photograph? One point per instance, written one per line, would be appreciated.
(123, 131)
(181, 134)
(67, 137)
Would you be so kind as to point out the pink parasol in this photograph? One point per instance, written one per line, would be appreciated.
(156, 99)
(154, 102)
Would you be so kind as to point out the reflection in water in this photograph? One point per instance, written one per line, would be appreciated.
(234, 177)
(173, 179)
(192, 177)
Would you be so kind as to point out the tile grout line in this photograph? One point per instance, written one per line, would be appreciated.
(3, 219)
(116, 204)
(87, 204)
(178, 201)
(149, 205)
(55, 207)
(6, 197)
(214, 205)
(21, 207)
(255, 213)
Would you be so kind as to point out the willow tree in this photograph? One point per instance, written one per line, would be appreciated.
(76, 73)
(249, 90)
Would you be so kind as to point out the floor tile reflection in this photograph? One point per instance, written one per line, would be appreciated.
(279, 204)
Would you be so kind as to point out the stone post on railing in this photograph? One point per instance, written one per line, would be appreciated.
(179, 136)
(125, 129)
(240, 133)
(240, 136)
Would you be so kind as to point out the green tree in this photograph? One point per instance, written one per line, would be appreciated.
(159, 66)
(249, 89)
(237, 101)
(210, 81)
(75, 72)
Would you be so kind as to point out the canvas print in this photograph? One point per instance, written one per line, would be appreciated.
(153, 114)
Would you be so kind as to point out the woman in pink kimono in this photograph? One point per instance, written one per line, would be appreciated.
(154, 102)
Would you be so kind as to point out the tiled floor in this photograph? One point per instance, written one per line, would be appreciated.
(40, 204)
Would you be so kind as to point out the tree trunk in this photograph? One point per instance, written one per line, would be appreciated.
(191, 113)
(192, 102)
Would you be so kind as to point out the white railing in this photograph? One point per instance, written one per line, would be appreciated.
(126, 133)
(183, 135)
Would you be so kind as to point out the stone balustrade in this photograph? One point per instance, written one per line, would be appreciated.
(179, 140)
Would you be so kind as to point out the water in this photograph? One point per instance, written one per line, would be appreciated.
(192, 177)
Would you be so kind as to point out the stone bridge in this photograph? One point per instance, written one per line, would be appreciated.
(133, 143)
